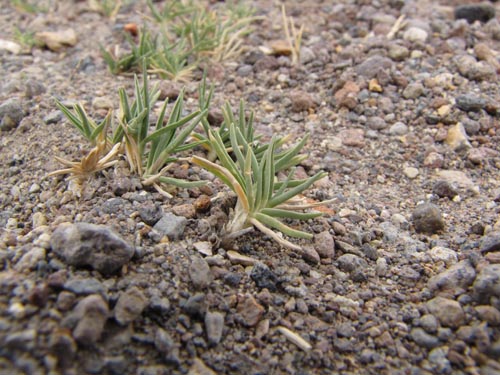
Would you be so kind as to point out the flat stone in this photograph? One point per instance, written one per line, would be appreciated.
(85, 286)
(84, 244)
(371, 66)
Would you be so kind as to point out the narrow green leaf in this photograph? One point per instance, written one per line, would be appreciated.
(278, 199)
(185, 184)
(171, 127)
(276, 224)
(236, 147)
(276, 212)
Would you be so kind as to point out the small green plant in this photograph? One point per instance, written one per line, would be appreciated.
(25, 38)
(32, 7)
(189, 35)
(262, 200)
(86, 125)
(100, 157)
(151, 155)
(131, 61)
(171, 11)
(109, 8)
(171, 62)
(294, 38)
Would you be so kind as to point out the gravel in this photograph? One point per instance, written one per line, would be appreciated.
(402, 273)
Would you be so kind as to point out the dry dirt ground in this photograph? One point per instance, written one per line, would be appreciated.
(403, 274)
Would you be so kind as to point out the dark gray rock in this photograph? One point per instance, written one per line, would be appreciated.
(171, 225)
(150, 213)
(21, 340)
(487, 284)
(427, 218)
(371, 66)
(351, 262)
(85, 286)
(470, 102)
(456, 279)
(444, 189)
(244, 70)
(11, 114)
(264, 277)
(490, 242)
(166, 345)
(475, 12)
(196, 306)
(84, 244)
(53, 117)
(424, 339)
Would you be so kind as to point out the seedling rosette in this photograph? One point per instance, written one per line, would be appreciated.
(262, 200)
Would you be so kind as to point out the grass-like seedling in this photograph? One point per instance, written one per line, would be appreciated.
(152, 154)
(86, 125)
(131, 61)
(262, 201)
(109, 8)
(171, 62)
(293, 37)
(102, 155)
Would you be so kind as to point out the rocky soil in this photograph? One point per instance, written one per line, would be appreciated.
(403, 274)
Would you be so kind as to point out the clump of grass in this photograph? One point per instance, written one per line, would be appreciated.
(189, 36)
